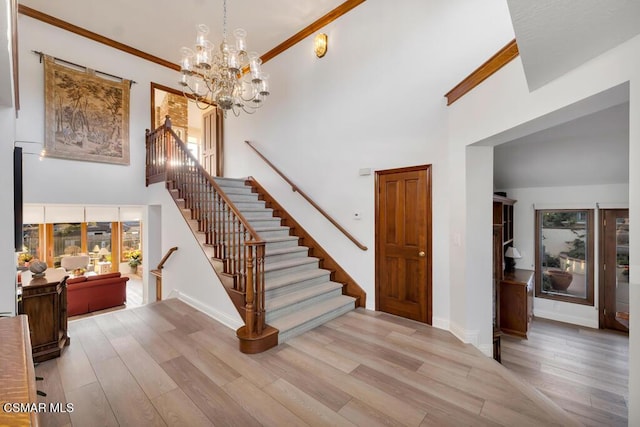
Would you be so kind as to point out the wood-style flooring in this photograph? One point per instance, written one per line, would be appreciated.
(583, 370)
(168, 364)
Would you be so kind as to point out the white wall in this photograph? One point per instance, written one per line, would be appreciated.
(7, 252)
(7, 132)
(75, 182)
(57, 181)
(576, 197)
(188, 275)
(503, 102)
(374, 101)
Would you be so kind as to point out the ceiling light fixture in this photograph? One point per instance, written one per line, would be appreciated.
(217, 76)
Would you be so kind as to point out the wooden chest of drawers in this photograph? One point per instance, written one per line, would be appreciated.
(516, 302)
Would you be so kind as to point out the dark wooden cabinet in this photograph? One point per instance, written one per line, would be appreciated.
(502, 238)
(516, 302)
(44, 301)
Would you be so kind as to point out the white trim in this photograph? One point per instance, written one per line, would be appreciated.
(440, 323)
(561, 317)
(217, 315)
(486, 349)
(467, 337)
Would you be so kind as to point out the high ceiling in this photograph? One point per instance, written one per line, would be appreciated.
(162, 27)
(556, 36)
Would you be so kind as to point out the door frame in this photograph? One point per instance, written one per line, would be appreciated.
(429, 231)
(219, 121)
(601, 266)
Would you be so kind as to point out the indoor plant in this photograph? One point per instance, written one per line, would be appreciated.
(135, 259)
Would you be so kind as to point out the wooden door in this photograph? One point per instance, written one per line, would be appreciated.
(614, 286)
(403, 242)
(212, 142)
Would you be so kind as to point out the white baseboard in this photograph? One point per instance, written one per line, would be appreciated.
(221, 317)
(466, 336)
(471, 337)
(566, 318)
(440, 323)
(486, 349)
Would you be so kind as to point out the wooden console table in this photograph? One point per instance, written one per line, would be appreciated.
(44, 300)
(17, 375)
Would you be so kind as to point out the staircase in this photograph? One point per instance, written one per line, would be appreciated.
(299, 295)
(277, 287)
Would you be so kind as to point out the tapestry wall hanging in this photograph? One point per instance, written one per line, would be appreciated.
(86, 116)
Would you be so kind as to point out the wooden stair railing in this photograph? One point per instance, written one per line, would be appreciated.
(297, 189)
(235, 243)
(158, 272)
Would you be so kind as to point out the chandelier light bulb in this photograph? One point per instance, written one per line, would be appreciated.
(218, 75)
(201, 35)
(241, 40)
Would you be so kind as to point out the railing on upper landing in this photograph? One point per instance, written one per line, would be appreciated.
(235, 243)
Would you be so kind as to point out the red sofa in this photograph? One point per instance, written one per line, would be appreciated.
(92, 293)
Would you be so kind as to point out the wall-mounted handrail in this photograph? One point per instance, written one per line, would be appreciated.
(166, 257)
(297, 189)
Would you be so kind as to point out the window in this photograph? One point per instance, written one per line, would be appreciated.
(31, 239)
(564, 255)
(67, 240)
(130, 238)
(193, 146)
(98, 236)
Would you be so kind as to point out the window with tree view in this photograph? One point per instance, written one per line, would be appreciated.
(564, 257)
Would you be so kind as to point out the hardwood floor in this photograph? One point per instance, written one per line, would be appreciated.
(583, 370)
(168, 364)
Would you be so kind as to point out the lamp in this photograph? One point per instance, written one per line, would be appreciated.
(216, 76)
(96, 248)
(510, 256)
(103, 252)
(320, 44)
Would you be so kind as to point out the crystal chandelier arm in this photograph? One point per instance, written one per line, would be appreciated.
(217, 77)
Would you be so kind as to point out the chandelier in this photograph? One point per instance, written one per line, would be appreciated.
(227, 76)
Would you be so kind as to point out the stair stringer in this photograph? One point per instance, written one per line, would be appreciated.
(227, 280)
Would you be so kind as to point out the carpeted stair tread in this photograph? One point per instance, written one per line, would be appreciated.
(294, 262)
(280, 239)
(270, 228)
(300, 318)
(283, 251)
(291, 298)
(279, 282)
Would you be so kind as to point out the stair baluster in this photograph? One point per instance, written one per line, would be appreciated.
(235, 243)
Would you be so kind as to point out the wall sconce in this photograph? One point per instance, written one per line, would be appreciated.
(320, 44)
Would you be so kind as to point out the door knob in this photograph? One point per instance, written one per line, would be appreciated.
(421, 253)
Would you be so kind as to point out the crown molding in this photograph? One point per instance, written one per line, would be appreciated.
(312, 28)
(51, 20)
(315, 26)
(496, 62)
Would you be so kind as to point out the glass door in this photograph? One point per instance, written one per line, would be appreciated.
(615, 308)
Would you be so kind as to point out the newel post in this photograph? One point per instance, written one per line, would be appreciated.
(249, 295)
